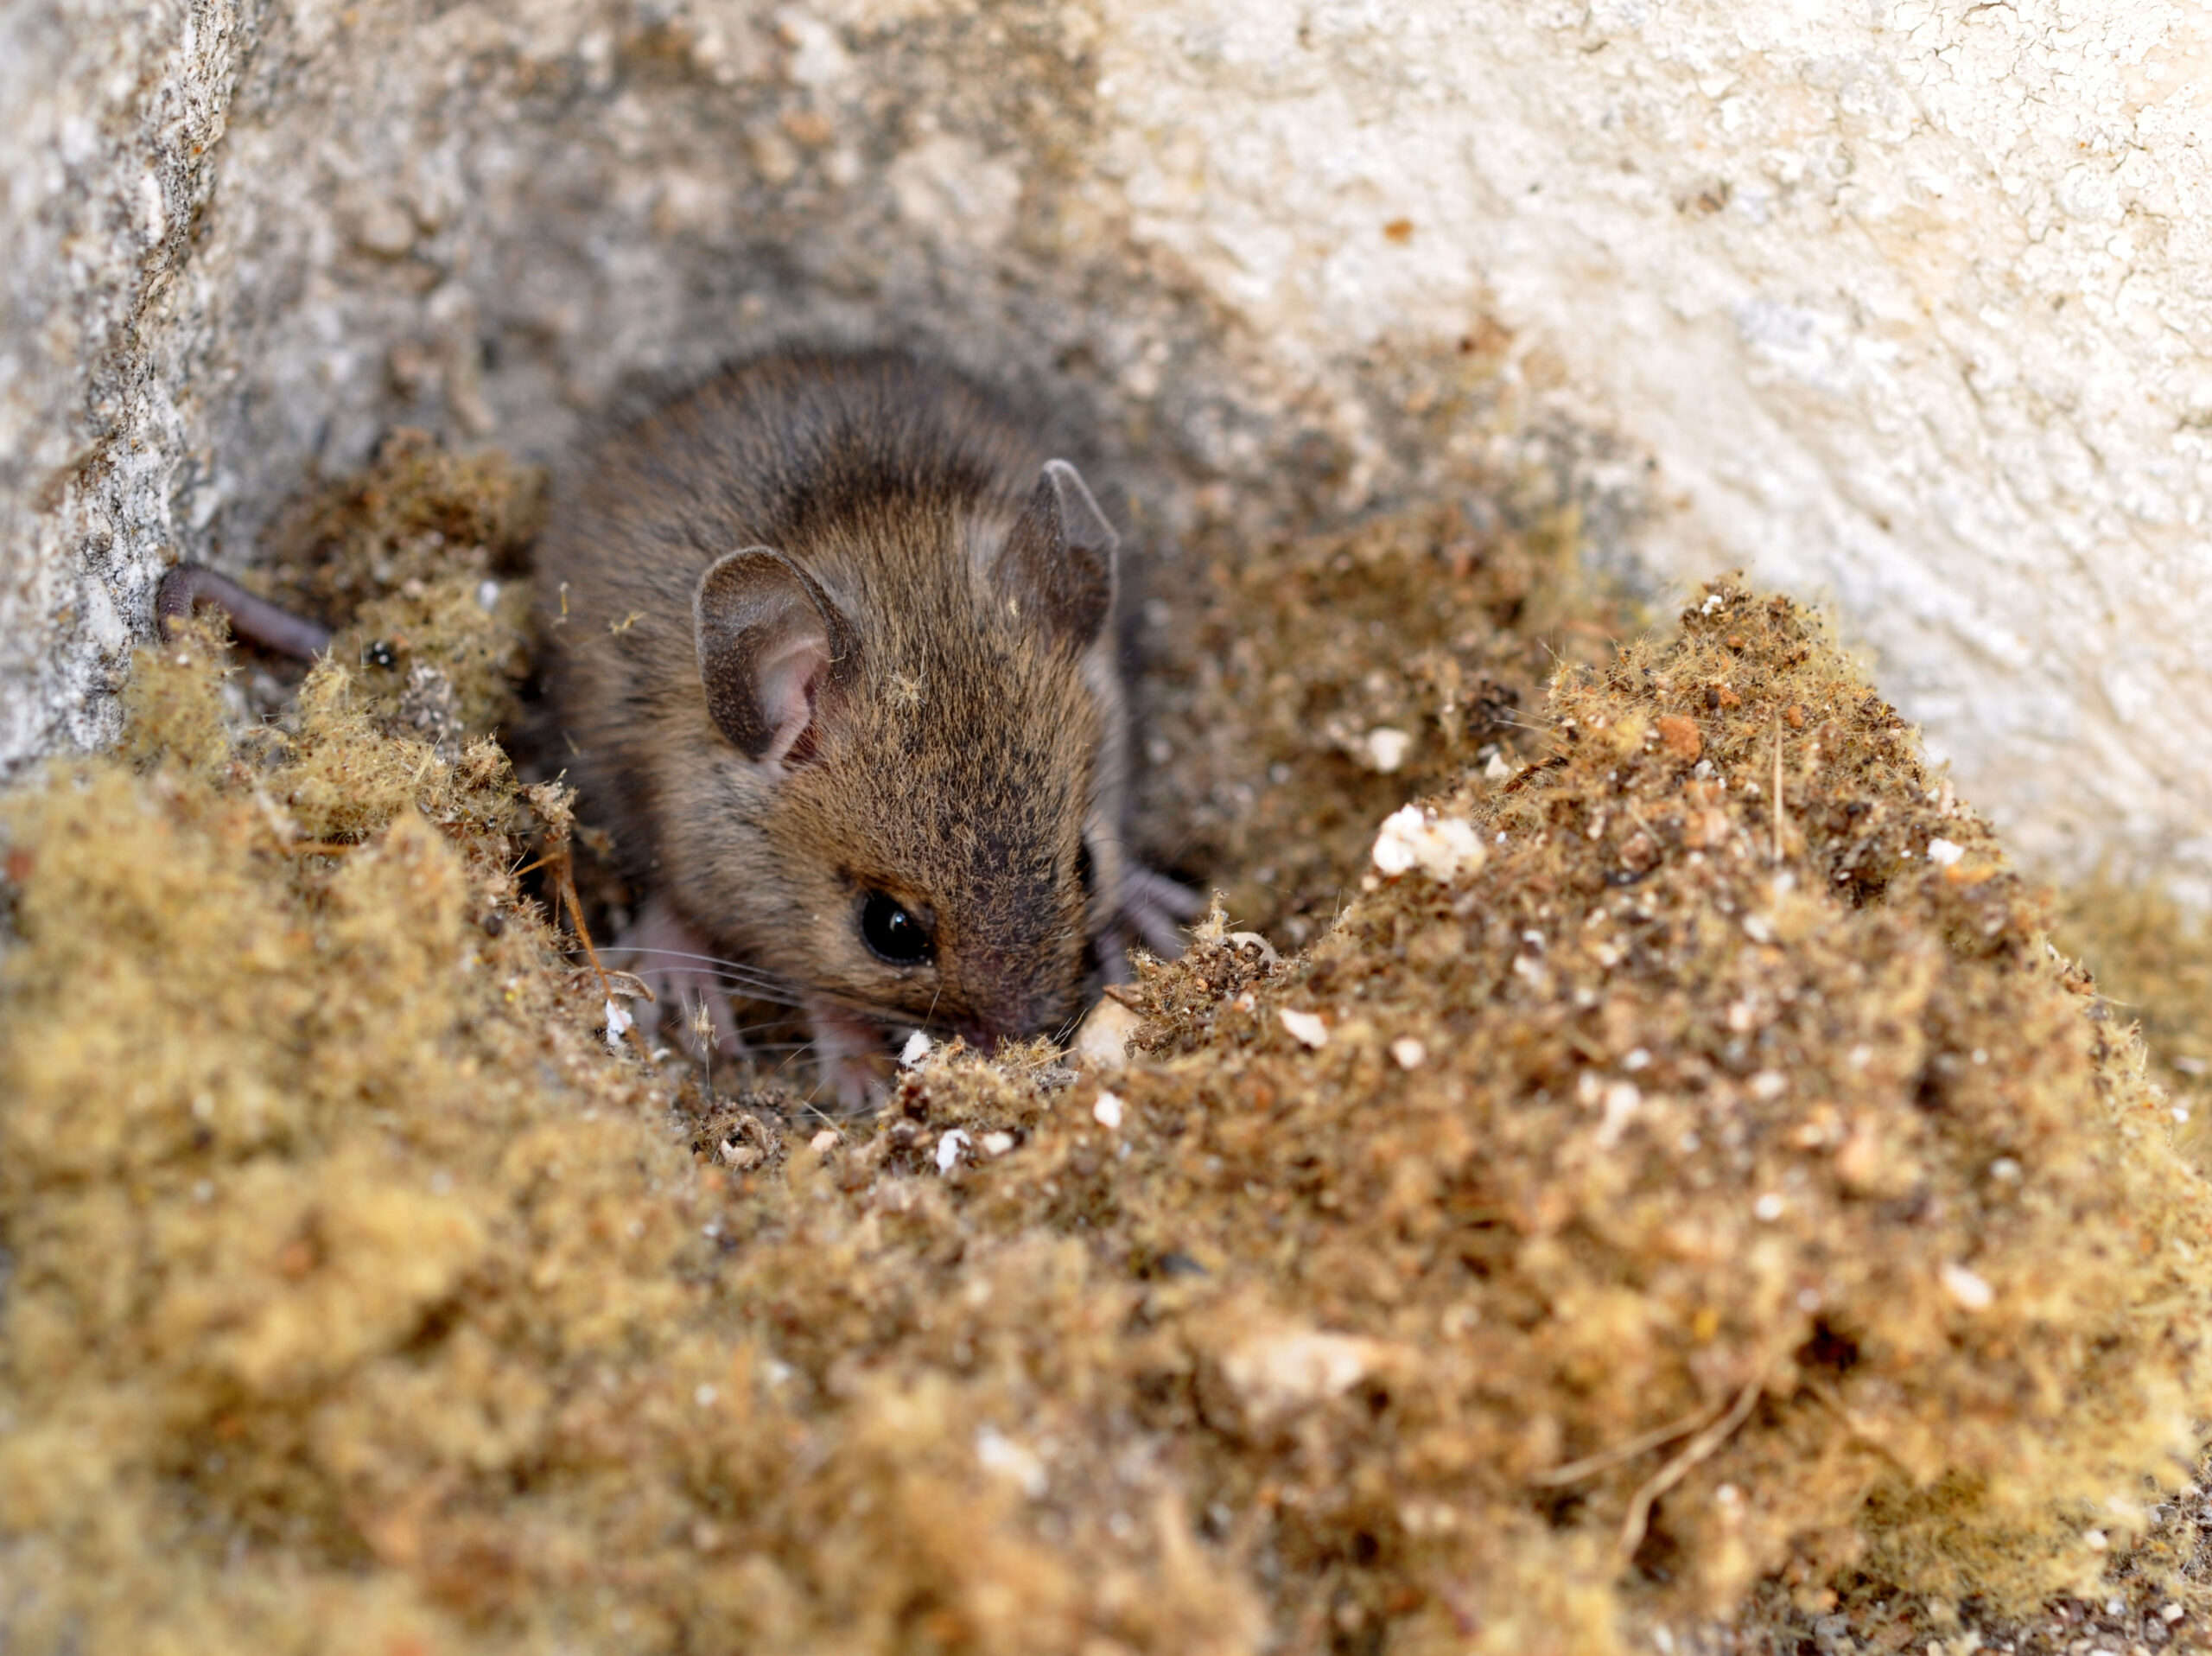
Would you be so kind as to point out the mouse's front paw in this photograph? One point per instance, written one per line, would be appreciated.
(851, 1053)
(689, 983)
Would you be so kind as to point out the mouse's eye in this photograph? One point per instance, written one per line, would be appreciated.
(1086, 872)
(892, 934)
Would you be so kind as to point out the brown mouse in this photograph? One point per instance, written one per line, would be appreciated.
(829, 641)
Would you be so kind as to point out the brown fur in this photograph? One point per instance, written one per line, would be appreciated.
(960, 769)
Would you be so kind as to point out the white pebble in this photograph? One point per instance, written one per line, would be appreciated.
(1103, 1042)
(618, 1025)
(917, 1049)
(487, 595)
(1409, 1052)
(949, 1148)
(1970, 1292)
(1622, 1100)
(704, 1397)
(1387, 749)
(997, 1144)
(1000, 1454)
(1943, 852)
(1443, 847)
(824, 1142)
(1768, 1208)
(1107, 1112)
(1305, 1027)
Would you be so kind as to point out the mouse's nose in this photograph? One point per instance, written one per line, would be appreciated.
(981, 1036)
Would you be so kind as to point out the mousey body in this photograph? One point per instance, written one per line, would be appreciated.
(829, 641)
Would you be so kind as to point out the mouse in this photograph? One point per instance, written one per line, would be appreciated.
(830, 647)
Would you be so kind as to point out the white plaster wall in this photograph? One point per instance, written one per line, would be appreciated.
(1909, 303)
(1912, 302)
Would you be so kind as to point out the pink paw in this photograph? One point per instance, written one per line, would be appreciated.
(689, 983)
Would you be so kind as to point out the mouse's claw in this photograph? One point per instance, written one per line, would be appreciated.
(1156, 908)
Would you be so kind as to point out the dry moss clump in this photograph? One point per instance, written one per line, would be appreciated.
(1308, 687)
(1713, 1178)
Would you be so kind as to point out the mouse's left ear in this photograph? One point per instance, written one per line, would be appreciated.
(772, 649)
(1058, 568)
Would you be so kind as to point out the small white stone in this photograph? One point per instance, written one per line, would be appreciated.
(1443, 847)
(2096, 1541)
(1107, 1112)
(1282, 1370)
(1768, 1085)
(1000, 1455)
(1304, 1027)
(1943, 852)
(917, 1049)
(824, 1142)
(487, 595)
(704, 1397)
(997, 1144)
(2169, 1612)
(1103, 1042)
(1497, 771)
(1636, 1059)
(1758, 928)
(1409, 1052)
(618, 1025)
(1768, 1208)
(1970, 1291)
(949, 1148)
(1622, 1100)
(1387, 749)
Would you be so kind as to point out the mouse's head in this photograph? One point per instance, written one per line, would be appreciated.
(928, 704)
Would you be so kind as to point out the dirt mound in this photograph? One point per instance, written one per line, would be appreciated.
(1683, 1164)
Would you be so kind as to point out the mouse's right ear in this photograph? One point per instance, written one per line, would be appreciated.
(1058, 567)
(772, 647)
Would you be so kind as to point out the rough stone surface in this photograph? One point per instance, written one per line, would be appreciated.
(1906, 301)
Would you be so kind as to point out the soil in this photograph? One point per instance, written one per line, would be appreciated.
(1666, 1191)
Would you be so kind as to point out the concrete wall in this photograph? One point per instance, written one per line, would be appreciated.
(1907, 305)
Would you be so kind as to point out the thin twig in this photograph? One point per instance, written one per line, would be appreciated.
(1699, 1448)
(1605, 1460)
(564, 886)
(1777, 791)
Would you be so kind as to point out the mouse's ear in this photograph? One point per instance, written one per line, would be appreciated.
(1058, 568)
(771, 647)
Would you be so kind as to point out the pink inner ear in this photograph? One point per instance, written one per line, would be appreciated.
(789, 676)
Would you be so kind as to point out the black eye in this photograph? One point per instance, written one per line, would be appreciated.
(892, 934)
(1086, 873)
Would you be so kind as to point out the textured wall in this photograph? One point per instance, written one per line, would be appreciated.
(1908, 303)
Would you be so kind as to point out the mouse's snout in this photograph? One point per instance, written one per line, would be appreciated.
(981, 1036)
(1011, 1011)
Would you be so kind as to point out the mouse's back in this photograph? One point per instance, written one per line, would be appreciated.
(829, 641)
